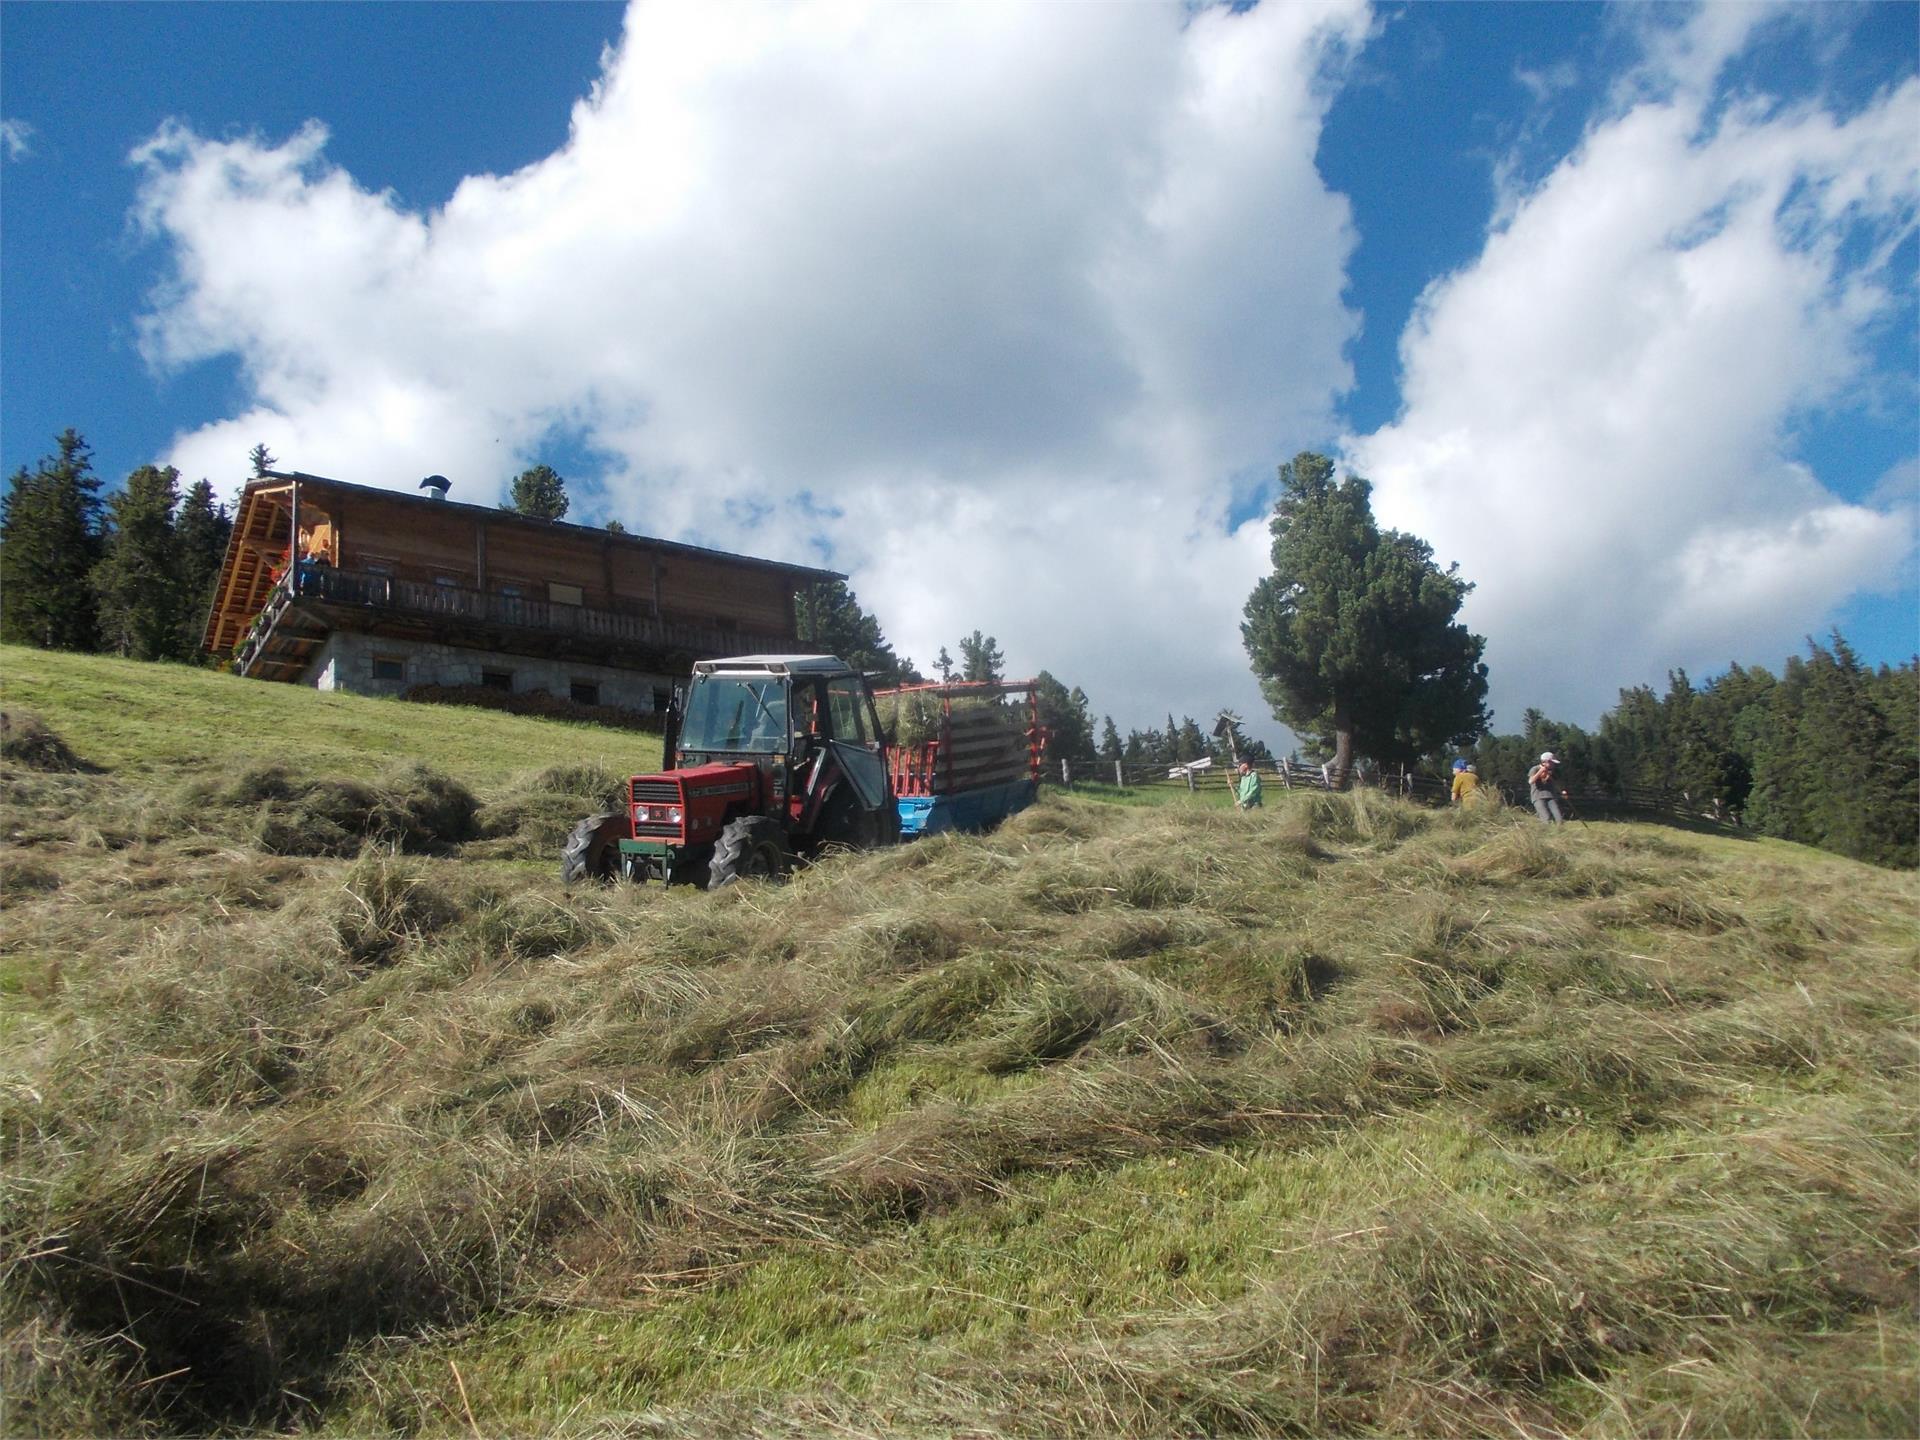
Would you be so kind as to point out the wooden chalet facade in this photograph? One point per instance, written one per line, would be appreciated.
(350, 587)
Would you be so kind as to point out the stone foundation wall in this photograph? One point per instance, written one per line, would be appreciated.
(346, 662)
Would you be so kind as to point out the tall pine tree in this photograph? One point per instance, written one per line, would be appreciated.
(200, 533)
(49, 544)
(980, 658)
(138, 579)
(1064, 713)
(539, 492)
(1353, 635)
(828, 618)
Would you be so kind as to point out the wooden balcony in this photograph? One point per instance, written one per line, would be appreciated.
(311, 603)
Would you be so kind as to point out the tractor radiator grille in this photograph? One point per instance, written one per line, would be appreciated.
(656, 792)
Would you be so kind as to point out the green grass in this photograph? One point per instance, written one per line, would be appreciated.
(174, 719)
(1343, 1117)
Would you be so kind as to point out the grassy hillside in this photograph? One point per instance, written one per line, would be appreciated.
(170, 721)
(1338, 1118)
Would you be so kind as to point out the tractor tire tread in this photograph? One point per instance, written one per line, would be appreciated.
(587, 855)
(740, 843)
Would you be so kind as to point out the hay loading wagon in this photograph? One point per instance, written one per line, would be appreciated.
(772, 758)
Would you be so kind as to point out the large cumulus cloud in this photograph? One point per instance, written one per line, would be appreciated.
(987, 305)
(1598, 411)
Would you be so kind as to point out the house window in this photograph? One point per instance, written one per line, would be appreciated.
(497, 680)
(512, 589)
(585, 692)
(376, 567)
(389, 667)
(564, 594)
(446, 582)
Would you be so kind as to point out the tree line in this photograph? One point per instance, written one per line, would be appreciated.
(1354, 640)
(130, 575)
(1822, 753)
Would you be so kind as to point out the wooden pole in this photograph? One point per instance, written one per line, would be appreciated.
(1119, 776)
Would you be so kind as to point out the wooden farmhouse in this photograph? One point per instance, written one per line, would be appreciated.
(350, 587)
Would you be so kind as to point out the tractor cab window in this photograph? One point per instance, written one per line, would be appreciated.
(727, 713)
(809, 713)
(847, 699)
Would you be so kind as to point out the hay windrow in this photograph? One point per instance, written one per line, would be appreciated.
(1493, 1122)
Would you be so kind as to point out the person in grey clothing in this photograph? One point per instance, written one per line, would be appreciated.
(1543, 788)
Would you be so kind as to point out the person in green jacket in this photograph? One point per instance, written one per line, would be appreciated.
(1246, 795)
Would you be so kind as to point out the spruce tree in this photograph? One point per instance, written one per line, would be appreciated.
(539, 492)
(1353, 635)
(1191, 744)
(980, 658)
(200, 532)
(138, 579)
(49, 544)
(1859, 805)
(829, 619)
(1064, 713)
(1110, 746)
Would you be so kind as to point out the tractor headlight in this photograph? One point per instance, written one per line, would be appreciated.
(656, 814)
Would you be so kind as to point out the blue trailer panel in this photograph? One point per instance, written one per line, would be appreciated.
(970, 810)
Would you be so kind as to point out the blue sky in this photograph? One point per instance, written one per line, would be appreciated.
(1011, 313)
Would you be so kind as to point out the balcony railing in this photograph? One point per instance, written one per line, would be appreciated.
(335, 589)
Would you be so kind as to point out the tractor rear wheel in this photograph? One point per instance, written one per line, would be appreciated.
(592, 851)
(754, 847)
(845, 822)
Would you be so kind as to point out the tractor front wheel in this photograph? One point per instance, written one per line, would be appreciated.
(592, 851)
(754, 847)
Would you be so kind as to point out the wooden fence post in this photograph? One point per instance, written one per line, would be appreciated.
(1286, 773)
(1119, 776)
(1190, 785)
(1066, 772)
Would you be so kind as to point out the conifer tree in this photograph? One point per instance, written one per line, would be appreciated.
(1353, 635)
(49, 544)
(261, 459)
(200, 532)
(980, 658)
(828, 618)
(138, 579)
(1064, 713)
(1110, 746)
(539, 492)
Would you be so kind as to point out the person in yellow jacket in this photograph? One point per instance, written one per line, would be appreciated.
(1466, 782)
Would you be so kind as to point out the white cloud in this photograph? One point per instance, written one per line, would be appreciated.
(1596, 410)
(989, 301)
(16, 139)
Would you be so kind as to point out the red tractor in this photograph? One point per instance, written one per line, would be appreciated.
(769, 758)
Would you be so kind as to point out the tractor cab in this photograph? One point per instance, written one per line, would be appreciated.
(770, 757)
(801, 721)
